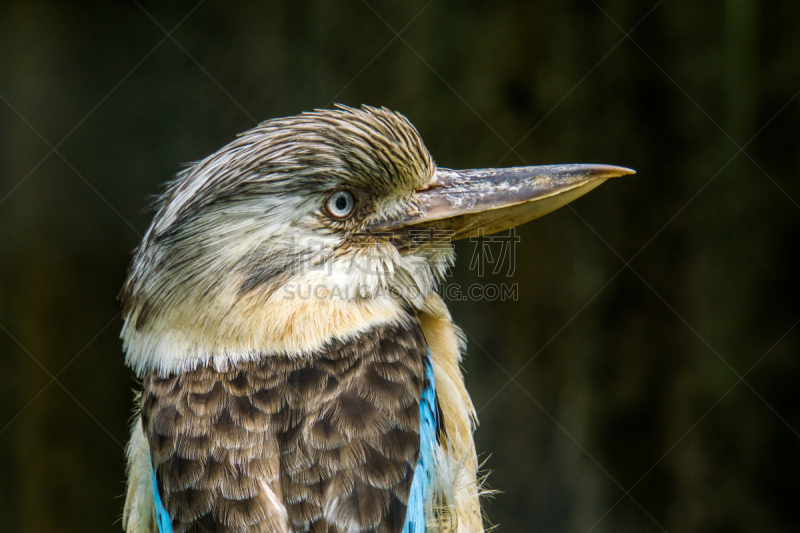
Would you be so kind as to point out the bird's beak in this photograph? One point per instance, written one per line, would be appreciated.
(463, 203)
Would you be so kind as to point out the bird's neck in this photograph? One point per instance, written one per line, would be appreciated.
(256, 325)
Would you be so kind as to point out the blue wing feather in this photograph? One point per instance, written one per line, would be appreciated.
(162, 516)
(423, 474)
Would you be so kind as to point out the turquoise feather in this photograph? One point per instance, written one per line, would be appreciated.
(162, 516)
(423, 475)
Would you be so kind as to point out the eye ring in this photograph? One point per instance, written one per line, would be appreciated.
(340, 204)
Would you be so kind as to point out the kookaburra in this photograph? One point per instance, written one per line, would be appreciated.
(299, 371)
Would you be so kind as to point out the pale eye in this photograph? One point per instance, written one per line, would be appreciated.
(340, 204)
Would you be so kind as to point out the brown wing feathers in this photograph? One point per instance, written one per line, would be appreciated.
(323, 444)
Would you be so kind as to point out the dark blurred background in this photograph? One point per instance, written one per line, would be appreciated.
(652, 344)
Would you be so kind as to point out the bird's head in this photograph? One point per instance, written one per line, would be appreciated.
(313, 227)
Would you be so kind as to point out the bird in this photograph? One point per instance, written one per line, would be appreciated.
(299, 369)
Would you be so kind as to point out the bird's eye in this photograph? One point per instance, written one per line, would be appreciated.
(340, 204)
